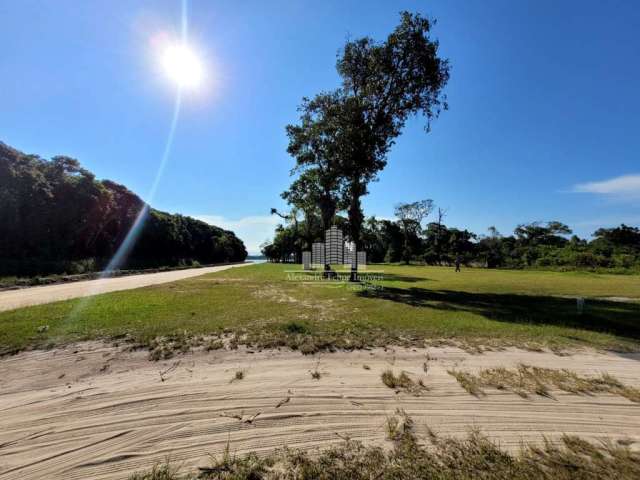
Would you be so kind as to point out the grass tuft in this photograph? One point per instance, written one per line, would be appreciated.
(400, 427)
(232, 467)
(295, 327)
(403, 383)
(214, 344)
(526, 380)
(163, 471)
(163, 348)
(467, 381)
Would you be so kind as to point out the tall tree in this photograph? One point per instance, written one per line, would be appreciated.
(382, 85)
(348, 133)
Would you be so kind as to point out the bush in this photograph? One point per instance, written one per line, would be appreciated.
(295, 327)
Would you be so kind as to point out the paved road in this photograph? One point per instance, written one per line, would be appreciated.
(63, 291)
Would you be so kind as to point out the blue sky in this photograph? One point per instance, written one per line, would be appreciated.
(543, 121)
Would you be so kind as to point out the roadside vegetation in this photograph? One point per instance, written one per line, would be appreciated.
(526, 380)
(416, 306)
(56, 218)
(412, 457)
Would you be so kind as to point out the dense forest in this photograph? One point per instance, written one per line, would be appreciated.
(542, 245)
(55, 217)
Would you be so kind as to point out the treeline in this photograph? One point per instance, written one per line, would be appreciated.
(55, 217)
(543, 245)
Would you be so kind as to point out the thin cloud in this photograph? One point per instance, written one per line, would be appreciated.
(252, 230)
(626, 186)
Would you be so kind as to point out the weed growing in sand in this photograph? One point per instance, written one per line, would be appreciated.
(427, 361)
(164, 471)
(160, 353)
(232, 467)
(214, 344)
(163, 348)
(525, 380)
(239, 375)
(399, 426)
(467, 381)
(444, 458)
(391, 381)
(403, 383)
(315, 373)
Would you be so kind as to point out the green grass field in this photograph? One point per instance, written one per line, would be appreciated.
(475, 307)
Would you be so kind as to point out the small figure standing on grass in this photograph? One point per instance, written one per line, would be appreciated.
(457, 263)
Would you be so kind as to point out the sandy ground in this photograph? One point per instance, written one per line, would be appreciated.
(94, 411)
(24, 297)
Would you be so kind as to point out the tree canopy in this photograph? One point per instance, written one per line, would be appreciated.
(56, 217)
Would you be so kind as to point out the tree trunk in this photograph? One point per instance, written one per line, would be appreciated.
(405, 248)
(356, 219)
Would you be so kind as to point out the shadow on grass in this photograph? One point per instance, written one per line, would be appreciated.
(616, 318)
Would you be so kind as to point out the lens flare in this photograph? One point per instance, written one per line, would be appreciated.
(182, 66)
(129, 242)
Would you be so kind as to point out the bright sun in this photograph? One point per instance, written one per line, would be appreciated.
(182, 66)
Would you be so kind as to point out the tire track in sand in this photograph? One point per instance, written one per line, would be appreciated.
(105, 425)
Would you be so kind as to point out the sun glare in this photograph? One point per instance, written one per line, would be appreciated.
(182, 66)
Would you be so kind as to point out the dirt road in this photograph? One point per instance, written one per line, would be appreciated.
(63, 291)
(94, 411)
